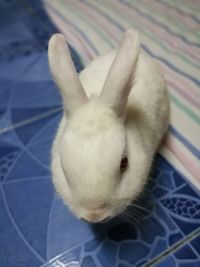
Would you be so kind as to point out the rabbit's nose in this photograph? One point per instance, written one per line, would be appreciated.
(85, 220)
(95, 219)
(106, 219)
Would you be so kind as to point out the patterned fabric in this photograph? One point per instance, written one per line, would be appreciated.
(36, 228)
(170, 33)
(170, 216)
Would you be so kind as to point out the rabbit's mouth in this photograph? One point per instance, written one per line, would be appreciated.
(104, 220)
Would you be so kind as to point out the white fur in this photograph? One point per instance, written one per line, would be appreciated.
(90, 142)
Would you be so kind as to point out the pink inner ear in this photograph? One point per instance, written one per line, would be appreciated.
(64, 73)
(119, 79)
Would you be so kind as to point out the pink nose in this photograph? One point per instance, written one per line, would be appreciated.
(94, 219)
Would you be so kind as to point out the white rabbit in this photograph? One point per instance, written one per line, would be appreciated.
(115, 115)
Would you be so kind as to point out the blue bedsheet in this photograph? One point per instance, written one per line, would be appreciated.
(35, 226)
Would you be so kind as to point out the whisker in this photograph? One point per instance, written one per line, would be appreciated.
(132, 218)
(136, 216)
(125, 218)
(134, 205)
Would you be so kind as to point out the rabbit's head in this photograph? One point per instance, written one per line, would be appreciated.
(95, 176)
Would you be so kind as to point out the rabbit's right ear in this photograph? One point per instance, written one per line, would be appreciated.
(121, 75)
(64, 74)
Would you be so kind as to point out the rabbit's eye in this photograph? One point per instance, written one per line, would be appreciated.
(124, 164)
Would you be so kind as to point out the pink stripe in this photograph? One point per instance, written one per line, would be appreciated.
(179, 84)
(68, 30)
(116, 36)
(170, 11)
(176, 43)
(191, 96)
(71, 38)
(186, 95)
(98, 18)
(180, 80)
(193, 168)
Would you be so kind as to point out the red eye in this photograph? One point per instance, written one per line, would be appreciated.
(124, 164)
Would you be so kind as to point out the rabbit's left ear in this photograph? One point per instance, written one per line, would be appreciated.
(121, 75)
(64, 74)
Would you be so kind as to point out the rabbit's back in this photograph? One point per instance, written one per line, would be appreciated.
(148, 102)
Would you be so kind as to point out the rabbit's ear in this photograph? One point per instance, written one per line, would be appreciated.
(64, 73)
(121, 75)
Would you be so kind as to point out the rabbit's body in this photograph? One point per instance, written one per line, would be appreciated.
(148, 105)
(96, 138)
